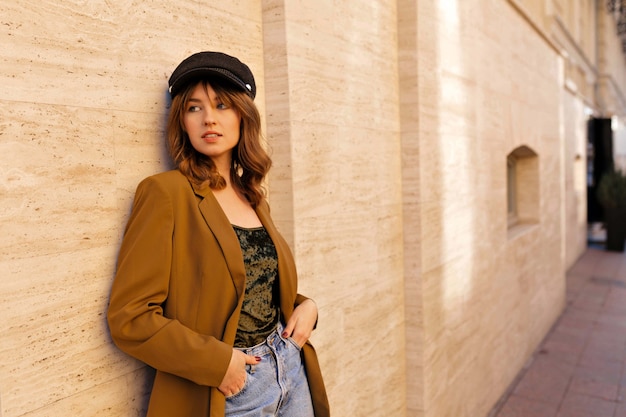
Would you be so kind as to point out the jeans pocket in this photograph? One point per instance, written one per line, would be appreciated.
(294, 343)
(249, 370)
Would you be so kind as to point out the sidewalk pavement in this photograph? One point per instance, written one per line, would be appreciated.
(579, 369)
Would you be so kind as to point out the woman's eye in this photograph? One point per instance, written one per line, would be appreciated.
(222, 106)
(193, 109)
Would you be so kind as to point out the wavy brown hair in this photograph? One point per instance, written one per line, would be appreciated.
(250, 161)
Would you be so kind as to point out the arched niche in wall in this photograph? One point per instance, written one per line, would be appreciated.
(522, 186)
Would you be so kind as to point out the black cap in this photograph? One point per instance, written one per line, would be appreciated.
(203, 64)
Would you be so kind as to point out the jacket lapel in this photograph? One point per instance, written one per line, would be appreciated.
(225, 235)
(227, 238)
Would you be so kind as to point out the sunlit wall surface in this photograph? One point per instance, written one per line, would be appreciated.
(389, 124)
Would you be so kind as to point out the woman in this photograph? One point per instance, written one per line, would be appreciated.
(205, 289)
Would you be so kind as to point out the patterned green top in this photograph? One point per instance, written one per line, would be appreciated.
(259, 313)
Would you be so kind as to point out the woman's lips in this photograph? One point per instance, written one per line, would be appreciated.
(210, 136)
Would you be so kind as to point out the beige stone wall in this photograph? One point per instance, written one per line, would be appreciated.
(574, 131)
(571, 29)
(389, 126)
(82, 122)
(612, 82)
(332, 79)
(84, 118)
(486, 85)
(611, 66)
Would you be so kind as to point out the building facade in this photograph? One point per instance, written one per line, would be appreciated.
(430, 174)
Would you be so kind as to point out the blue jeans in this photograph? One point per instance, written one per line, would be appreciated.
(277, 386)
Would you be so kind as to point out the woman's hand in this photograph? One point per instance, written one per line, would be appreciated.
(300, 325)
(236, 375)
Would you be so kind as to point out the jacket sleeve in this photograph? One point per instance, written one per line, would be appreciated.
(140, 289)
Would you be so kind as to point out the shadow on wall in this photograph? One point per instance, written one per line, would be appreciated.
(143, 376)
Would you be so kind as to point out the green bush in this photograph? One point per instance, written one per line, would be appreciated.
(612, 189)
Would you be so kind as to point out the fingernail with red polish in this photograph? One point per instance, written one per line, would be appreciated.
(258, 358)
(285, 334)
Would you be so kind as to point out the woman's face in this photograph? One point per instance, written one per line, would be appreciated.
(212, 126)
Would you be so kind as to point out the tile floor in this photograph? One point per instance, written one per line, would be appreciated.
(580, 368)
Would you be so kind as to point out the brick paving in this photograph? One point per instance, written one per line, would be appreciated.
(580, 368)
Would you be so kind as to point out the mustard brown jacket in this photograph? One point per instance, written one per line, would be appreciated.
(178, 291)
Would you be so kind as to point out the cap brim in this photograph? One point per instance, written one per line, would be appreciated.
(198, 74)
